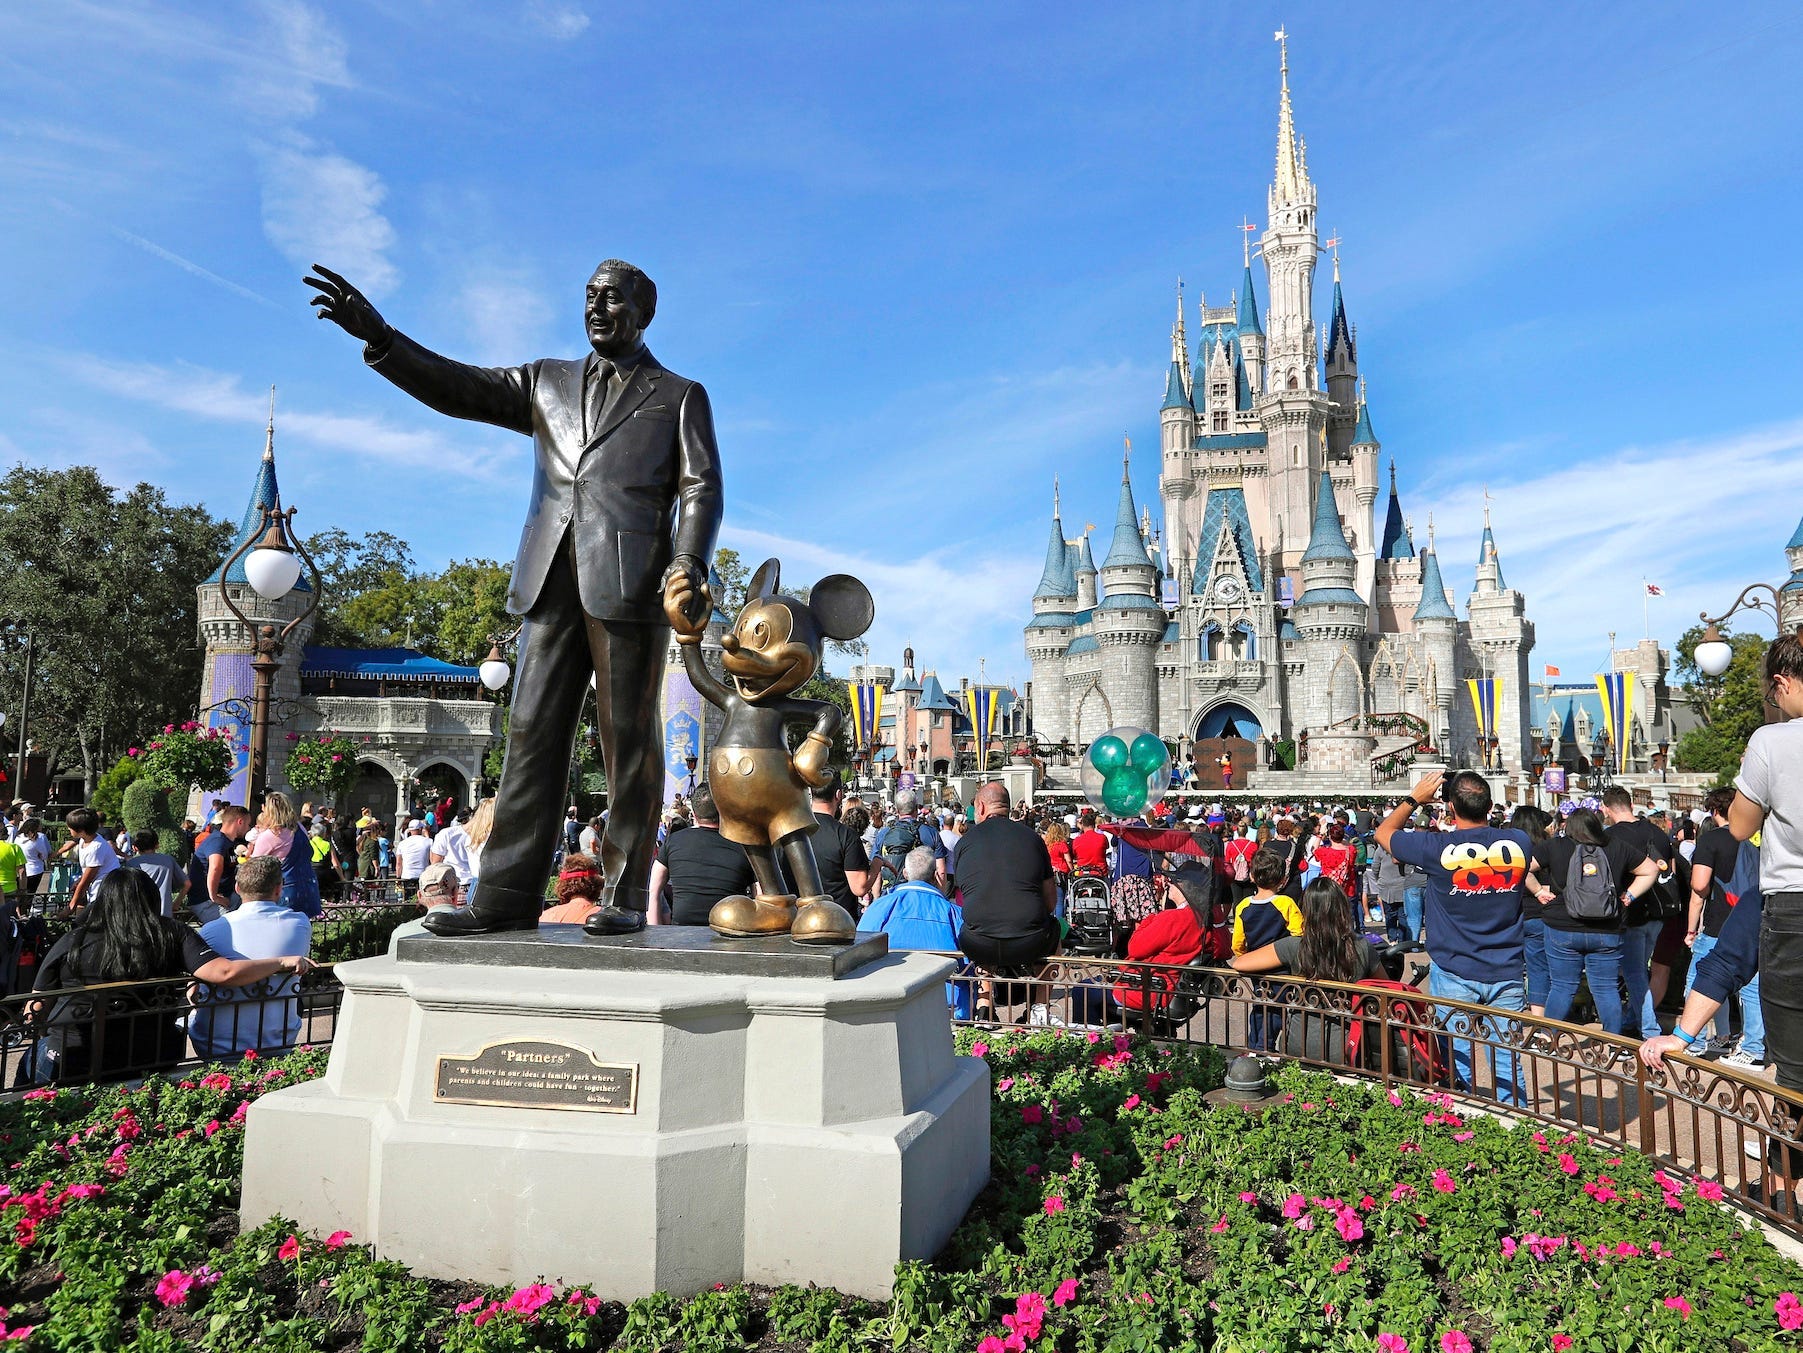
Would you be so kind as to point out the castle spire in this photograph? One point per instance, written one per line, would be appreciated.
(1328, 538)
(264, 493)
(269, 436)
(1433, 604)
(1291, 173)
(1247, 315)
(1177, 390)
(1396, 542)
(1127, 547)
(1059, 578)
(1487, 559)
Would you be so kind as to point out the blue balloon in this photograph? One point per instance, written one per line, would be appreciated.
(1108, 754)
(1147, 754)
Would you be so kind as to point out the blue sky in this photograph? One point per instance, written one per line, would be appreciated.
(923, 257)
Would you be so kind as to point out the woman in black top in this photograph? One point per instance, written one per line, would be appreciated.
(1329, 949)
(123, 936)
(1537, 825)
(1586, 949)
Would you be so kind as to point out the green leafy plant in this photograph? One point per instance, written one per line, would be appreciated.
(190, 756)
(325, 765)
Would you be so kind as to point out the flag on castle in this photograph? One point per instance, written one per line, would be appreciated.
(866, 712)
(1653, 589)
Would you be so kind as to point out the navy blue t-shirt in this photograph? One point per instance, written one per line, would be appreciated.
(217, 843)
(1473, 914)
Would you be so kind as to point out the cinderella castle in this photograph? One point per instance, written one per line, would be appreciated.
(1277, 617)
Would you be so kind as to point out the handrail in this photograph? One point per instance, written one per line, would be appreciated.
(1694, 1116)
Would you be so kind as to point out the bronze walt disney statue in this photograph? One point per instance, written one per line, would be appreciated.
(760, 786)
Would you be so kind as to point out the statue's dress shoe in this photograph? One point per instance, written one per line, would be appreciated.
(820, 920)
(473, 918)
(612, 920)
(743, 918)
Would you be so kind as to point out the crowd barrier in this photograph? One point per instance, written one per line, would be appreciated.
(1699, 1117)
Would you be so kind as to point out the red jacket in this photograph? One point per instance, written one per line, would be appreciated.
(1090, 849)
(1169, 936)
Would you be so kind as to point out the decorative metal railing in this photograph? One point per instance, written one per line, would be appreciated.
(1700, 1117)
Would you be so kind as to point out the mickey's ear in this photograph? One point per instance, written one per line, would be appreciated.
(842, 606)
(765, 581)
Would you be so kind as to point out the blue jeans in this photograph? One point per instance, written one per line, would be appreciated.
(1500, 996)
(1591, 954)
(1636, 963)
(1534, 945)
(1414, 904)
(1752, 1016)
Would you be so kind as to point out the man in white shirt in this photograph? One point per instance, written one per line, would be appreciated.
(452, 847)
(414, 853)
(95, 856)
(265, 1016)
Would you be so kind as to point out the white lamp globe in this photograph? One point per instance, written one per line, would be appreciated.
(272, 573)
(494, 673)
(1713, 657)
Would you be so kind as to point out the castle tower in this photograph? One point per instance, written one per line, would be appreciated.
(1437, 624)
(1500, 638)
(1330, 616)
(1086, 574)
(1362, 451)
(1790, 596)
(1398, 582)
(1177, 415)
(1251, 332)
(226, 680)
(1342, 369)
(1050, 631)
(1129, 622)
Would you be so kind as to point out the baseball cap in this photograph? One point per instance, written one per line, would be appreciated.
(416, 825)
(436, 876)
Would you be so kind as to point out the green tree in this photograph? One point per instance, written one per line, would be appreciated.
(1730, 706)
(351, 567)
(468, 604)
(734, 577)
(103, 581)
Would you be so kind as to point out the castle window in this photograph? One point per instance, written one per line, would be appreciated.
(1220, 421)
(1219, 391)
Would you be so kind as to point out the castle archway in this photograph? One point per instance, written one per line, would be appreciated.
(1229, 719)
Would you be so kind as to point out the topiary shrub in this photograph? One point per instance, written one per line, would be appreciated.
(145, 807)
(110, 788)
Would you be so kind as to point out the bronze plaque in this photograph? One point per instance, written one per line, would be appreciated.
(532, 1074)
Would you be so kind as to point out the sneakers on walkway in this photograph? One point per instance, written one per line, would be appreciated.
(1742, 1060)
(1040, 1017)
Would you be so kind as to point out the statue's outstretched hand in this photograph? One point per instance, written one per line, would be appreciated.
(344, 305)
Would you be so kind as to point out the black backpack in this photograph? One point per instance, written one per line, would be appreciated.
(903, 835)
(1590, 893)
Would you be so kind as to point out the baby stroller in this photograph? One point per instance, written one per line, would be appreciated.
(1090, 916)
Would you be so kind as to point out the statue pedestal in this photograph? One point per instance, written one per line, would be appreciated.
(658, 1113)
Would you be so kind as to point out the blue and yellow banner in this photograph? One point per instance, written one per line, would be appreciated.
(1618, 713)
(866, 712)
(1484, 694)
(982, 704)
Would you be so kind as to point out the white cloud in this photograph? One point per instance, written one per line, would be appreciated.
(301, 51)
(505, 316)
(560, 21)
(1701, 518)
(319, 207)
(956, 605)
(221, 397)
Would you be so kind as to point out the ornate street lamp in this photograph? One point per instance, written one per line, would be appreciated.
(272, 568)
(494, 671)
(1715, 653)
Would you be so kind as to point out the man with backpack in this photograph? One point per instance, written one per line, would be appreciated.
(1587, 880)
(907, 829)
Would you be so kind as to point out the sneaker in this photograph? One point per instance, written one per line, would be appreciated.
(1742, 1060)
(1040, 1017)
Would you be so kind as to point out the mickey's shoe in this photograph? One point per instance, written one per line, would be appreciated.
(820, 920)
(745, 918)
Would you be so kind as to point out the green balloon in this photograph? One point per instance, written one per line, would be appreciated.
(1124, 793)
(1148, 754)
(1108, 754)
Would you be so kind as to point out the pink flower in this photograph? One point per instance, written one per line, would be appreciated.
(1408, 1148)
(1463, 1136)
(205, 1276)
(1443, 1182)
(49, 1093)
(1054, 1205)
(1294, 1205)
(1709, 1191)
(1402, 1191)
(1623, 1250)
(1341, 1265)
(1508, 1247)
(527, 1301)
(1454, 1341)
(1395, 1099)
(1349, 1226)
(1004, 1085)
(1789, 1311)
(1031, 1113)
(1220, 1225)
(992, 1345)
(1568, 1162)
(134, 751)
(1305, 1223)
(1028, 1317)
(1065, 1293)
(473, 1304)
(1561, 1342)
(978, 1049)
(1678, 1304)
(1248, 1197)
(290, 1249)
(173, 1288)
(1392, 1343)
(337, 1240)
(1131, 1102)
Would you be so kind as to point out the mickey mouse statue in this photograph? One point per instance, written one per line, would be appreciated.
(760, 787)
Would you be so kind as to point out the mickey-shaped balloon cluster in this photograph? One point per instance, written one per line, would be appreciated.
(760, 787)
(1126, 769)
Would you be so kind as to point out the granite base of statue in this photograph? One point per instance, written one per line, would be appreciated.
(658, 1112)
